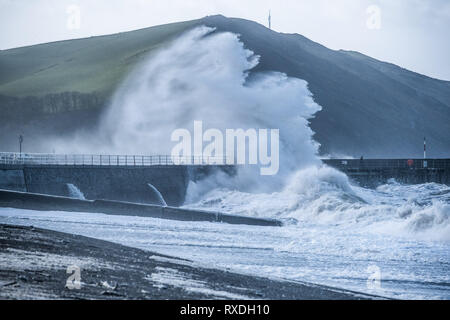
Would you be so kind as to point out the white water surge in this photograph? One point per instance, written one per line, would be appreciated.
(74, 192)
(158, 194)
(334, 230)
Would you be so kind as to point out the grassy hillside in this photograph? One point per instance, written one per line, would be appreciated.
(95, 64)
(370, 108)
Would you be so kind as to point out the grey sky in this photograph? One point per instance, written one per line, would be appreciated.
(412, 33)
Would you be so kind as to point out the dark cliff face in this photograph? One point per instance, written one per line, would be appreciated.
(370, 108)
(25, 107)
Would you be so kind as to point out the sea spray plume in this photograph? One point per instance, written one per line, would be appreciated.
(204, 75)
(190, 80)
(207, 75)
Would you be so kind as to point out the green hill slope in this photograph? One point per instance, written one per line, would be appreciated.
(95, 64)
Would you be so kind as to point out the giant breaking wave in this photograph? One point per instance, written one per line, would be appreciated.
(209, 76)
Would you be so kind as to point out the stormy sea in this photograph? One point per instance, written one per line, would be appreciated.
(392, 241)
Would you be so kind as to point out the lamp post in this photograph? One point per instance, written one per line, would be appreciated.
(20, 143)
(424, 148)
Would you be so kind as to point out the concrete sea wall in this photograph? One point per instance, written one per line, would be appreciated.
(373, 172)
(120, 183)
(12, 180)
(32, 201)
(374, 178)
(127, 183)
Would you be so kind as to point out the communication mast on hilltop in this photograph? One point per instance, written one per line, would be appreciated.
(270, 20)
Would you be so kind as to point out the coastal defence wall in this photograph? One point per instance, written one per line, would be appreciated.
(374, 172)
(147, 184)
(33, 201)
(127, 183)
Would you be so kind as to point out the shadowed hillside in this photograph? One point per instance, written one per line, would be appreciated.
(370, 108)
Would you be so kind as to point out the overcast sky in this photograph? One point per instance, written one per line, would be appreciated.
(411, 33)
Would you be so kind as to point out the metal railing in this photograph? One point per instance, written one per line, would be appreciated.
(105, 160)
(9, 158)
(373, 164)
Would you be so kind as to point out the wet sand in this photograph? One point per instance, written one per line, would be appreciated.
(34, 264)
